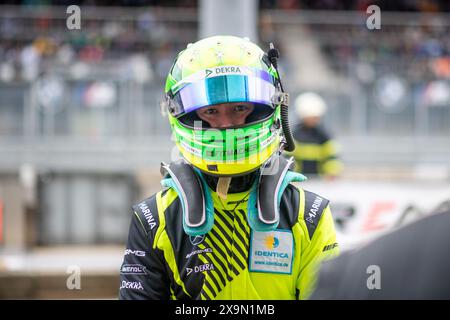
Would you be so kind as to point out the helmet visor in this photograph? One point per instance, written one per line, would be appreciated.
(257, 87)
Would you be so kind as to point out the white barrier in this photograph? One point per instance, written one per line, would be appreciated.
(364, 210)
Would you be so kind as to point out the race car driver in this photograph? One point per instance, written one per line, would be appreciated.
(229, 224)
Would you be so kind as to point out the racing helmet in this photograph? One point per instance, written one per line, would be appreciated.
(216, 70)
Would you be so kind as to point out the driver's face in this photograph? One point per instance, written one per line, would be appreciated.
(226, 114)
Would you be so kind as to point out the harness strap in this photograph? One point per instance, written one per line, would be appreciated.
(265, 196)
(196, 202)
(263, 207)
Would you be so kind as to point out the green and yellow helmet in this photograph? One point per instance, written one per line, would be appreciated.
(218, 70)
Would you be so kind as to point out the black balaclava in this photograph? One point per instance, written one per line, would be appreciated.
(238, 184)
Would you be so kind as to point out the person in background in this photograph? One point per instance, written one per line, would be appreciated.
(315, 151)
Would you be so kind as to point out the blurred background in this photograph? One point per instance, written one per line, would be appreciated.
(82, 136)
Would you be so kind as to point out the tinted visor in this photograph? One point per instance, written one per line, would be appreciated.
(256, 87)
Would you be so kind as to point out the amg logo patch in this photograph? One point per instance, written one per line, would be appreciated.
(138, 253)
(330, 246)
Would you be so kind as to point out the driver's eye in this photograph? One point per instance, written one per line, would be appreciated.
(240, 108)
(210, 111)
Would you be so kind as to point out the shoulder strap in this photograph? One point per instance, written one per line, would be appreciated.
(198, 214)
(264, 200)
(263, 205)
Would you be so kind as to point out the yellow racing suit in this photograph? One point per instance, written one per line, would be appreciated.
(231, 261)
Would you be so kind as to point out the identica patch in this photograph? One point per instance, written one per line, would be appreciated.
(271, 251)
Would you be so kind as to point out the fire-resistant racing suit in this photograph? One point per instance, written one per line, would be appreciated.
(231, 261)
